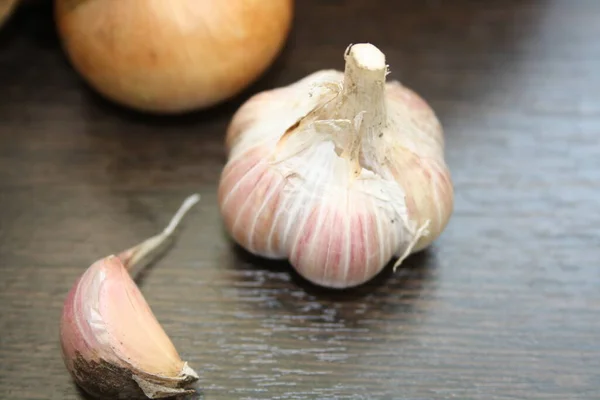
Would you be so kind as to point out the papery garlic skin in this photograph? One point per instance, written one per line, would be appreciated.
(337, 172)
(112, 343)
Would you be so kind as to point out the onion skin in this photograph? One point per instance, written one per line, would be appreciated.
(172, 57)
(7, 7)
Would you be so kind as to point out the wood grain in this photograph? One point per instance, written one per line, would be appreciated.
(505, 305)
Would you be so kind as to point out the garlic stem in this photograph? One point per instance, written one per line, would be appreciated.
(364, 88)
(135, 254)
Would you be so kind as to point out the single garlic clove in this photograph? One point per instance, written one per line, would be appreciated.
(110, 336)
(112, 343)
(337, 172)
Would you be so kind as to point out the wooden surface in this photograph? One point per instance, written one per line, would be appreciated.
(505, 305)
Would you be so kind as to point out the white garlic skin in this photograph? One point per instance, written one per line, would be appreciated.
(338, 218)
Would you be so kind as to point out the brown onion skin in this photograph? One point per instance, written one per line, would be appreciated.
(7, 7)
(171, 57)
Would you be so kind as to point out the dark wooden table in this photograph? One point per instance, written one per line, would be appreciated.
(505, 305)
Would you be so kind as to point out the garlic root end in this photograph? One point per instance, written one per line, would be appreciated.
(189, 374)
(160, 387)
(101, 378)
(157, 391)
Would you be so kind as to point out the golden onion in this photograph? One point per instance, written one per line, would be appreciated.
(172, 56)
(6, 9)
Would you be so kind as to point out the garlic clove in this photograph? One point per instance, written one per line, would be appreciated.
(337, 172)
(112, 343)
(128, 317)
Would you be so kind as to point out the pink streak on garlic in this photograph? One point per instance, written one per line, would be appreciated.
(337, 172)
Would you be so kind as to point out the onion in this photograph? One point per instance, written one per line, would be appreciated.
(172, 56)
(6, 9)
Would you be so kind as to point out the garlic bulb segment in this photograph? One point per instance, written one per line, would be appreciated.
(6, 9)
(112, 343)
(339, 172)
(172, 56)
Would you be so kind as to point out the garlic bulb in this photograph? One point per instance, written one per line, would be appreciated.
(6, 9)
(112, 344)
(172, 56)
(337, 172)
